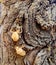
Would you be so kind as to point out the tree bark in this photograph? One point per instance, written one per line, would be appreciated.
(37, 23)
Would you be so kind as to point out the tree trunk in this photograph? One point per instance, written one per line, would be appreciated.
(34, 22)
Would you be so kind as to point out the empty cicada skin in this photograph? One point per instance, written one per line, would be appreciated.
(34, 19)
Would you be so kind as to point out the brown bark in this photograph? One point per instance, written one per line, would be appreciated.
(38, 34)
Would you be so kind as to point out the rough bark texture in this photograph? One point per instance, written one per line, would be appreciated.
(38, 21)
